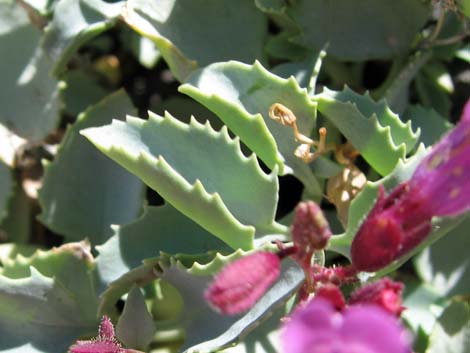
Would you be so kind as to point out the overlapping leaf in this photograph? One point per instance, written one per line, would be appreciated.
(16, 227)
(83, 191)
(379, 134)
(445, 264)
(160, 229)
(6, 189)
(42, 306)
(241, 96)
(75, 23)
(135, 327)
(200, 171)
(376, 29)
(431, 124)
(207, 330)
(452, 331)
(29, 99)
(229, 30)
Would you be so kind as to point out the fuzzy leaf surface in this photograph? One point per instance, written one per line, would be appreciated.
(83, 191)
(379, 134)
(200, 171)
(376, 29)
(241, 95)
(230, 30)
(75, 23)
(24, 70)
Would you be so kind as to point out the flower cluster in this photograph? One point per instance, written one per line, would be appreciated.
(400, 221)
(368, 320)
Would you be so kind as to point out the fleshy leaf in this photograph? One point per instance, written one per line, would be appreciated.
(74, 23)
(24, 70)
(200, 171)
(445, 265)
(230, 30)
(80, 91)
(152, 233)
(6, 189)
(241, 96)
(305, 72)
(452, 330)
(419, 299)
(135, 327)
(281, 47)
(263, 339)
(59, 263)
(207, 330)
(376, 29)
(17, 225)
(432, 125)
(379, 134)
(98, 192)
(51, 309)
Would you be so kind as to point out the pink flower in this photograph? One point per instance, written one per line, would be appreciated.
(318, 328)
(400, 221)
(105, 342)
(240, 284)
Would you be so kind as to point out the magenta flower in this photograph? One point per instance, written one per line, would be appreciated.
(318, 328)
(400, 221)
(105, 342)
(240, 284)
(384, 293)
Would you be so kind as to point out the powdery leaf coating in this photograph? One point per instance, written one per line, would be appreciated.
(240, 284)
(384, 293)
(400, 221)
(318, 328)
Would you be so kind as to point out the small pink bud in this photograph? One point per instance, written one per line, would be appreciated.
(105, 342)
(385, 293)
(310, 231)
(333, 294)
(240, 284)
(106, 330)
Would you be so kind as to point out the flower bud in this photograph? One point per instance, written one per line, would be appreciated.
(333, 294)
(310, 228)
(240, 284)
(385, 293)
